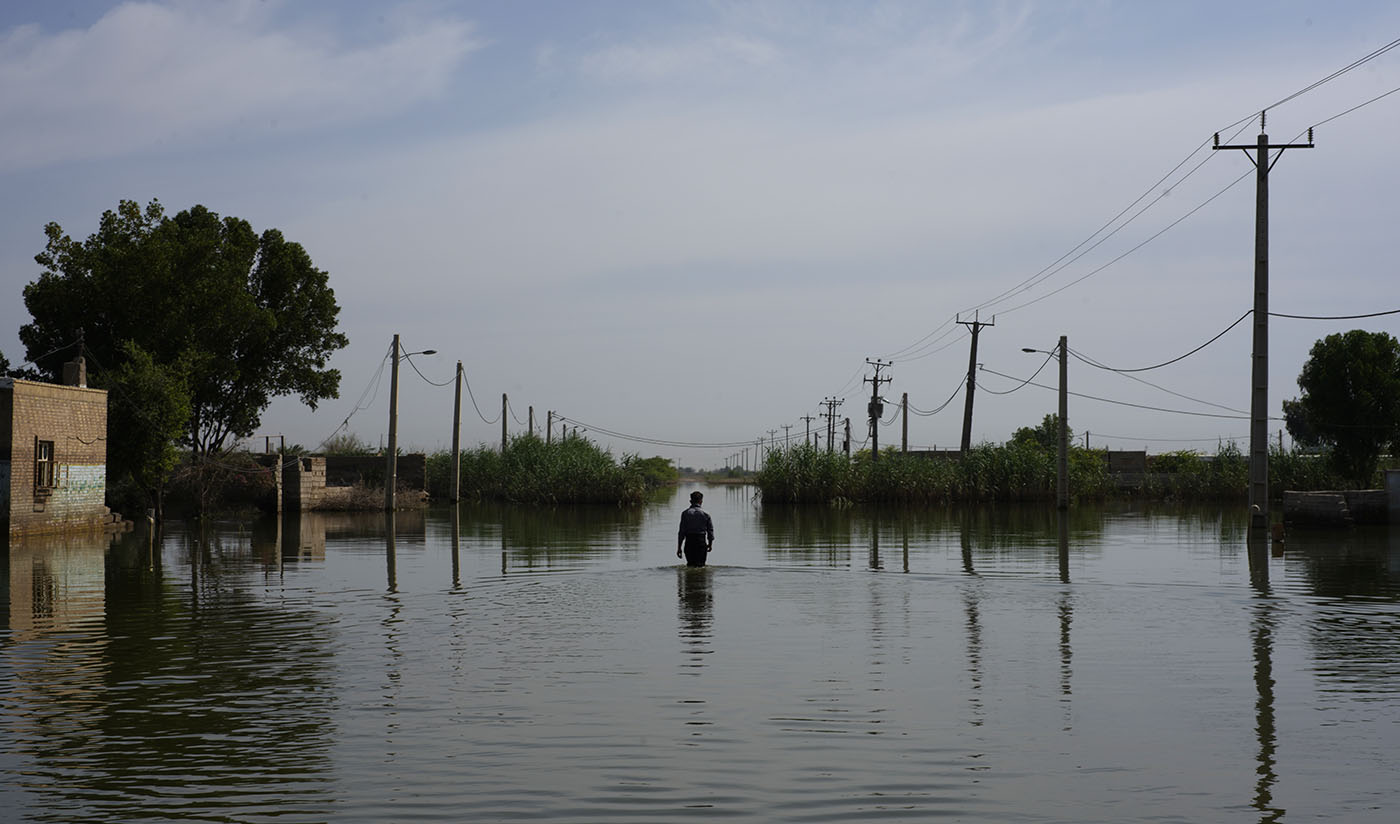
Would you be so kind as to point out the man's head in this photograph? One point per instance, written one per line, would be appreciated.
(696, 498)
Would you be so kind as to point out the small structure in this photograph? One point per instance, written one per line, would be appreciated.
(339, 482)
(53, 455)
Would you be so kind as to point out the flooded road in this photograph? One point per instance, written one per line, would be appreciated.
(508, 664)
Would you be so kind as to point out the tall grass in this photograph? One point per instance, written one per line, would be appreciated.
(1022, 472)
(1013, 472)
(573, 470)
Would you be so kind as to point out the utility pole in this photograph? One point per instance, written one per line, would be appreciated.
(391, 469)
(505, 404)
(904, 415)
(876, 409)
(531, 430)
(830, 415)
(976, 326)
(457, 438)
(848, 439)
(1259, 371)
(1062, 469)
(549, 427)
(808, 420)
(787, 436)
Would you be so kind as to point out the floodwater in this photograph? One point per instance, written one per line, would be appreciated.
(831, 665)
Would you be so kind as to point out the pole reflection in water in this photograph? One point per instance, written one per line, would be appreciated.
(456, 546)
(971, 596)
(875, 541)
(390, 562)
(1262, 636)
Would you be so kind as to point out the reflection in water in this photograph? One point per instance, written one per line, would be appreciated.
(974, 654)
(696, 601)
(536, 538)
(456, 546)
(390, 554)
(1262, 632)
(130, 698)
(875, 541)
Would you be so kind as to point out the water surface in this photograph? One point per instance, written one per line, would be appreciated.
(991, 664)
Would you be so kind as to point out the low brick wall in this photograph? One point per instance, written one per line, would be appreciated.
(334, 483)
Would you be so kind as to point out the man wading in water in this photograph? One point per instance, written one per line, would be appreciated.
(697, 534)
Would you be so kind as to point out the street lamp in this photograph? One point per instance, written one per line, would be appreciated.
(391, 480)
(1062, 468)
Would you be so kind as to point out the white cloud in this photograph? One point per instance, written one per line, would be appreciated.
(149, 74)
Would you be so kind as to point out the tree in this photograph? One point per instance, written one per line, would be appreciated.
(4, 365)
(242, 317)
(149, 406)
(1046, 436)
(1350, 400)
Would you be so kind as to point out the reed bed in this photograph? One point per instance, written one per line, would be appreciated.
(1019, 471)
(570, 471)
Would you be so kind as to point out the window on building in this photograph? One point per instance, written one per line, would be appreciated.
(43, 465)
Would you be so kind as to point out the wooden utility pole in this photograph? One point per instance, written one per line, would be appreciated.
(505, 410)
(876, 409)
(1259, 370)
(976, 326)
(457, 439)
(391, 467)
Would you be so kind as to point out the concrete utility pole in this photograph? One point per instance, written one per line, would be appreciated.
(848, 439)
(1062, 469)
(531, 430)
(505, 410)
(549, 427)
(876, 409)
(830, 415)
(904, 414)
(808, 420)
(976, 326)
(787, 435)
(457, 438)
(1259, 371)
(391, 469)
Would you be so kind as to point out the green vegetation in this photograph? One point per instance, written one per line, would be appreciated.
(235, 317)
(1022, 470)
(1350, 402)
(573, 470)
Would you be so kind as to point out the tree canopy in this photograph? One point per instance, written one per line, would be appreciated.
(1046, 436)
(1350, 401)
(238, 317)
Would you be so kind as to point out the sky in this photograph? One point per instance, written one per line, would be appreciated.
(693, 222)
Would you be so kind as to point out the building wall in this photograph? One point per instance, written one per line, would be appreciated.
(75, 420)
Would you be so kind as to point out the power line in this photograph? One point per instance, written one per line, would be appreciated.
(943, 405)
(1335, 317)
(1023, 384)
(654, 441)
(1119, 403)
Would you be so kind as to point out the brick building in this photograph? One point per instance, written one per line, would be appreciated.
(53, 454)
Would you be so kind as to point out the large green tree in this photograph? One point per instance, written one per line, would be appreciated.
(242, 317)
(1350, 401)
